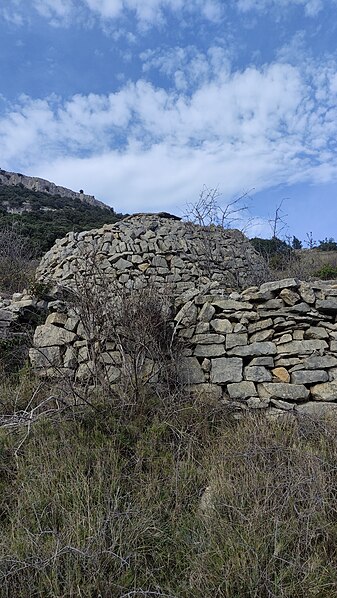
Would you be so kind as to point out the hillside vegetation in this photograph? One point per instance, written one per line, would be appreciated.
(48, 217)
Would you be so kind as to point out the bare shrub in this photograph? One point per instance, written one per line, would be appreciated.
(126, 330)
(17, 263)
(210, 210)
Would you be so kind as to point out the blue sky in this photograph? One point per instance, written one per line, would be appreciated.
(143, 102)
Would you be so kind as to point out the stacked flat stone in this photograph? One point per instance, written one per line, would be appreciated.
(271, 347)
(21, 309)
(157, 250)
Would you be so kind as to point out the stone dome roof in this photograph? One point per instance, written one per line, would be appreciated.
(156, 249)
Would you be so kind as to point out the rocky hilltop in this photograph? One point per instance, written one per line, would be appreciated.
(42, 185)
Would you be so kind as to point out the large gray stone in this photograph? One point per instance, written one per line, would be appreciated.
(190, 370)
(49, 335)
(46, 357)
(324, 392)
(209, 350)
(123, 264)
(329, 305)
(226, 369)
(307, 293)
(261, 336)
(260, 325)
(257, 373)
(317, 409)
(206, 313)
(316, 362)
(279, 284)
(266, 361)
(187, 315)
(309, 376)
(289, 297)
(221, 326)
(254, 350)
(282, 390)
(241, 390)
(302, 347)
(208, 339)
(315, 332)
(232, 305)
(236, 339)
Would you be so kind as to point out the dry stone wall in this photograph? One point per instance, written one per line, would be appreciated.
(158, 250)
(270, 347)
(273, 346)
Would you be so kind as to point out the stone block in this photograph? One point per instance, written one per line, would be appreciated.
(280, 390)
(190, 371)
(261, 336)
(327, 305)
(222, 326)
(226, 369)
(324, 392)
(45, 357)
(49, 335)
(302, 347)
(257, 373)
(266, 361)
(315, 332)
(309, 376)
(206, 313)
(235, 340)
(254, 350)
(317, 409)
(209, 350)
(56, 318)
(241, 390)
(317, 362)
(208, 339)
(281, 374)
(232, 305)
(289, 297)
(307, 293)
(260, 325)
(277, 285)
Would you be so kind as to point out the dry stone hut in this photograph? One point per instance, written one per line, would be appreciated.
(270, 347)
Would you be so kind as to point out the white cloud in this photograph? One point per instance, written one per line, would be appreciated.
(147, 148)
(311, 7)
(188, 67)
(147, 12)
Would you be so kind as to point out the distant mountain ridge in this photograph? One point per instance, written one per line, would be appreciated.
(43, 212)
(44, 186)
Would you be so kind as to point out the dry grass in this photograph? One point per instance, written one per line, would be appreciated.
(105, 501)
(305, 264)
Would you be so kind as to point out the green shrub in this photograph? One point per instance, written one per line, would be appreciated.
(327, 272)
(327, 244)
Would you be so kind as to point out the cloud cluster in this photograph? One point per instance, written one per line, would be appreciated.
(311, 7)
(146, 12)
(146, 147)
